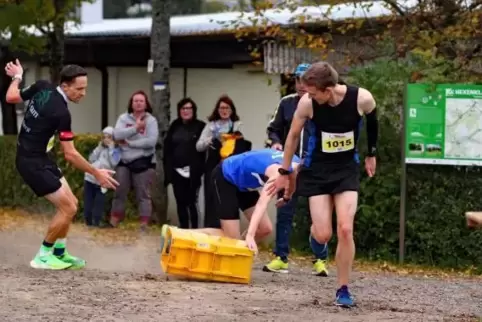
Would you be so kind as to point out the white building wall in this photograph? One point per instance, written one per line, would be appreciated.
(254, 94)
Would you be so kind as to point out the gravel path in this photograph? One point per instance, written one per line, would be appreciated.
(124, 282)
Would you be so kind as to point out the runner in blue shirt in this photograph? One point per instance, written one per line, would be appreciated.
(241, 182)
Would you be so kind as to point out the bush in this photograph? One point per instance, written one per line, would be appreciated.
(437, 196)
(15, 193)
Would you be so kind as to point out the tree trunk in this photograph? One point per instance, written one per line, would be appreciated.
(160, 54)
(56, 41)
(9, 114)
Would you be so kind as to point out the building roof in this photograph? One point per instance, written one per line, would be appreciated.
(229, 21)
(190, 25)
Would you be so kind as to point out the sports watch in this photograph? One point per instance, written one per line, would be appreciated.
(284, 172)
(18, 76)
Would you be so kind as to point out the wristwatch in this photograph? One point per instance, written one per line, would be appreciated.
(372, 152)
(18, 76)
(284, 172)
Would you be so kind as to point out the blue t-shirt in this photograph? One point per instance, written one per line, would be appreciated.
(247, 170)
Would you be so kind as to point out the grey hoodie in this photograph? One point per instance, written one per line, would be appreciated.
(103, 158)
(138, 144)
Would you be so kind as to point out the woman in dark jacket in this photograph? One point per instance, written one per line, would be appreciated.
(183, 164)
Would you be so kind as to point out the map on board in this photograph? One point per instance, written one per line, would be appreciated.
(463, 128)
(443, 124)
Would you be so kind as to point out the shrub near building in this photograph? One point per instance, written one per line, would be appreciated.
(14, 193)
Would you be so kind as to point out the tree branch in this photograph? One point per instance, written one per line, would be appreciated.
(396, 7)
(475, 4)
(42, 29)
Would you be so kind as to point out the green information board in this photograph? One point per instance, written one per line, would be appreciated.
(443, 124)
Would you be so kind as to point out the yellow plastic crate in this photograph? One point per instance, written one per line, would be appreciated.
(199, 256)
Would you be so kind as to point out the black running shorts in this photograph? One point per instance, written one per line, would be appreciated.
(328, 179)
(41, 174)
(228, 199)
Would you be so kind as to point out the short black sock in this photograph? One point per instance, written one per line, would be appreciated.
(47, 244)
(59, 251)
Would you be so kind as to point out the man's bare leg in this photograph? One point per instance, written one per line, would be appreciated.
(66, 209)
(345, 205)
(209, 231)
(321, 210)
(61, 241)
(228, 225)
(231, 228)
(265, 226)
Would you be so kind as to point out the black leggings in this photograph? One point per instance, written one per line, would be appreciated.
(186, 201)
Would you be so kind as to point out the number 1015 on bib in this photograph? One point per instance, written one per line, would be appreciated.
(337, 142)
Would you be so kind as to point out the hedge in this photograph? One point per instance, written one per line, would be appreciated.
(15, 193)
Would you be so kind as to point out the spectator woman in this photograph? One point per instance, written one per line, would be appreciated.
(222, 120)
(183, 164)
(137, 132)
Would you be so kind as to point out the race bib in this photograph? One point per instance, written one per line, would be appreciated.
(51, 144)
(337, 142)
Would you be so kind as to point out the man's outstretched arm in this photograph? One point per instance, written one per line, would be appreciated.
(302, 113)
(259, 210)
(71, 155)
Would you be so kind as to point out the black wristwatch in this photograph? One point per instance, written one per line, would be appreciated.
(284, 172)
(372, 152)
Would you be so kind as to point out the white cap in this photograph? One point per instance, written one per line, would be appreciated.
(108, 130)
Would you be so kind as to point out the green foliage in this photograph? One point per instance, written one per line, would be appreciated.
(437, 196)
(213, 7)
(15, 193)
(30, 22)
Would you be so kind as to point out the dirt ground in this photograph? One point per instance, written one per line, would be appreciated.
(124, 282)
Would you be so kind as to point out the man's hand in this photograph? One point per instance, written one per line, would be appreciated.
(14, 69)
(277, 146)
(281, 182)
(281, 202)
(251, 243)
(370, 165)
(105, 179)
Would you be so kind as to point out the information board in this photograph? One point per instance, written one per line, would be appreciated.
(443, 124)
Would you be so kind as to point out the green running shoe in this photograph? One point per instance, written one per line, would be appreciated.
(48, 261)
(319, 268)
(75, 262)
(276, 266)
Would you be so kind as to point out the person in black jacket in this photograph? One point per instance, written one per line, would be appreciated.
(278, 129)
(183, 164)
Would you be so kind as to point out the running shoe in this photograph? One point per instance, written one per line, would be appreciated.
(277, 265)
(319, 268)
(75, 262)
(48, 261)
(344, 298)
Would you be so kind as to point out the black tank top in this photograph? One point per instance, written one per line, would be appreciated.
(337, 129)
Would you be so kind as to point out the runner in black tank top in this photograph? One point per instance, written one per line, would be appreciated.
(330, 173)
(331, 165)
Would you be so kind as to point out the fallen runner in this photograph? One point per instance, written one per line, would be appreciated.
(236, 182)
